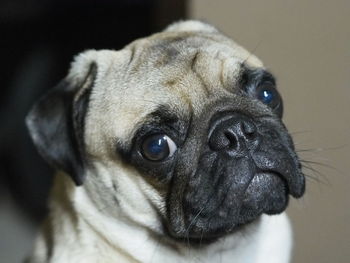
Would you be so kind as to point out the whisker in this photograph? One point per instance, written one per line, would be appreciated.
(316, 175)
(316, 179)
(312, 150)
(322, 149)
(193, 221)
(299, 132)
(251, 53)
(319, 163)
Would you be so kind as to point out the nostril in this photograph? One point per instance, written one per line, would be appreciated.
(249, 129)
(219, 141)
(231, 136)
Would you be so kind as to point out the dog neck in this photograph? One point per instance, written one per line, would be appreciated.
(76, 231)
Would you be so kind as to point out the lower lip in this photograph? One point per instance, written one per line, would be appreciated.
(270, 178)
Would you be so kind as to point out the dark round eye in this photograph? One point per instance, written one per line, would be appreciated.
(268, 95)
(157, 147)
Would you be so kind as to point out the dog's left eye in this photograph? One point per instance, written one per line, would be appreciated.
(268, 95)
(157, 147)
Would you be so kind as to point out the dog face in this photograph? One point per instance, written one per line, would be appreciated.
(180, 132)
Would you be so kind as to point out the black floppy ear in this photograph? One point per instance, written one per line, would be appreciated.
(56, 124)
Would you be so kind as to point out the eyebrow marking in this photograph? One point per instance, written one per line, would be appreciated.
(192, 66)
(170, 82)
(163, 113)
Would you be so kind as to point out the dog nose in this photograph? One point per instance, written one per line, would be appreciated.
(234, 134)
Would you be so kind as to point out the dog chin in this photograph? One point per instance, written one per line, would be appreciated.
(266, 193)
(202, 237)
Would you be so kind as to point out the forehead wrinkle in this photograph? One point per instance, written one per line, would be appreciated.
(186, 40)
(179, 41)
(216, 73)
(193, 67)
(186, 102)
(230, 75)
(132, 53)
(184, 36)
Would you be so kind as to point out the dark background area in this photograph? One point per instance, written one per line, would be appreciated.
(38, 40)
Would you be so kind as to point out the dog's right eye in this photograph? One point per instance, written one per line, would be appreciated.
(158, 147)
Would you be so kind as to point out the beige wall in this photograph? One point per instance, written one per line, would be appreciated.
(306, 44)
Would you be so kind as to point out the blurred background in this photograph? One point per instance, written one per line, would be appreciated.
(306, 44)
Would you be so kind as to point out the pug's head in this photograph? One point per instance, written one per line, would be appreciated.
(180, 132)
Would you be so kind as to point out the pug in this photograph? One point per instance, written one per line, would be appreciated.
(169, 150)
